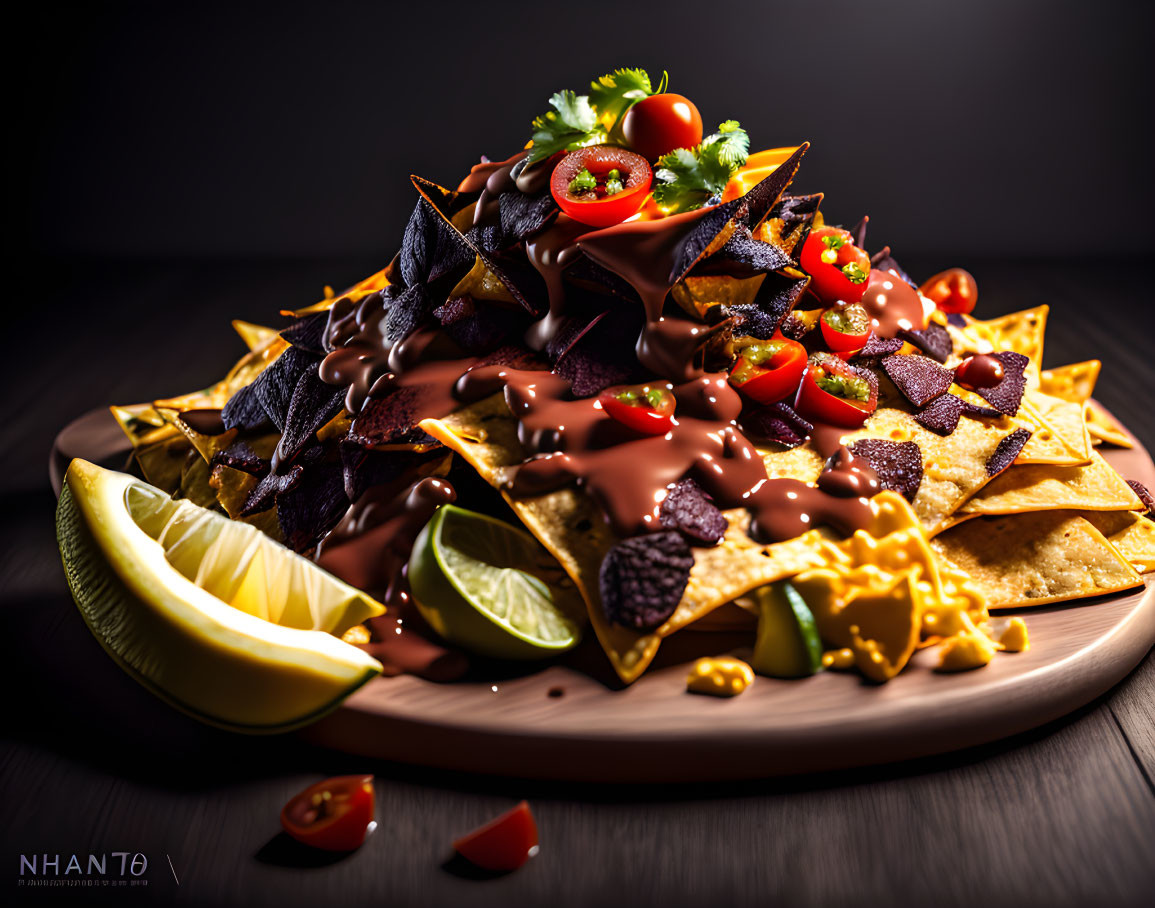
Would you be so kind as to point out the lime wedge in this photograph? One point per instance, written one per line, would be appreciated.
(788, 645)
(491, 588)
(210, 614)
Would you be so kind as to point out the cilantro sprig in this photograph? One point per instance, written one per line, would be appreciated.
(580, 120)
(687, 178)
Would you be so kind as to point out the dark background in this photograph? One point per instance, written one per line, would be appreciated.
(990, 127)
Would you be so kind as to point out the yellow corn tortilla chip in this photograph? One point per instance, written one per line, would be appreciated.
(1092, 487)
(1035, 558)
(698, 294)
(163, 463)
(1131, 533)
(1075, 382)
(572, 527)
(1021, 332)
(1103, 427)
(1059, 434)
(358, 291)
(142, 424)
(254, 336)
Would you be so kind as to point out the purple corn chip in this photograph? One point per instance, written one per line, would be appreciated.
(240, 456)
(919, 378)
(407, 312)
(244, 409)
(796, 212)
(1006, 451)
(762, 198)
(308, 333)
(455, 310)
(314, 403)
(744, 256)
(977, 412)
(897, 463)
(956, 319)
(942, 414)
(524, 215)
(311, 508)
(935, 341)
(775, 422)
(688, 509)
(642, 579)
(271, 485)
(751, 321)
(485, 328)
(1007, 395)
(884, 261)
(876, 348)
(1144, 494)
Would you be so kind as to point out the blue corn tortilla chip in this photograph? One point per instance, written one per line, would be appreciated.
(796, 212)
(407, 312)
(240, 456)
(363, 468)
(1007, 450)
(775, 422)
(884, 261)
(744, 256)
(898, 464)
(876, 349)
(524, 215)
(935, 341)
(919, 378)
(1144, 494)
(308, 333)
(942, 414)
(689, 510)
(431, 247)
(762, 198)
(956, 319)
(313, 404)
(775, 299)
(266, 399)
(642, 579)
(603, 353)
(310, 509)
(485, 328)
(1007, 395)
(264, 496)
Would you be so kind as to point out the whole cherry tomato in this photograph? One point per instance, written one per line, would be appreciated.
(846, 329)
(334, 815)
(838, 269)
(660, 123)
(768, 371)
(979, 371)
(601, 185)
(503, 844)
(953, 290)
(832, 391)
(648, 409)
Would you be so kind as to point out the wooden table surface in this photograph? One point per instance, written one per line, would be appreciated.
(1064, 815)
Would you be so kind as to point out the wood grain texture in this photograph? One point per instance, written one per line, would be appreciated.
(1060, 816)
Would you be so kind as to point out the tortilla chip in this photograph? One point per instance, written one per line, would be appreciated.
(1075, 382)
(1058, 433)
(357, 292)
(142, 424)
(163, 462)
(1103, 427)
(1093, 487)
(1035, 558)
(1131, 533)
(1021, 332)
(254, 336)
(954, 466)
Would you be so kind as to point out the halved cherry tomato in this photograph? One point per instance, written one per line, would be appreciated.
(334, 815)
(660, 123)
(768, 371)
(601, 185)
(832, 391)
(846, 329)
(648, 409)
(503, 844)
(953, 290)
(838, 269)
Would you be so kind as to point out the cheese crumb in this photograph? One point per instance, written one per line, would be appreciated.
(721, 676)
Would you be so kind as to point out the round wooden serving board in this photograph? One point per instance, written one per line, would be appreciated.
(563, 723)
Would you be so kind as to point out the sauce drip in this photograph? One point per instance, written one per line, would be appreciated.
(893, 304)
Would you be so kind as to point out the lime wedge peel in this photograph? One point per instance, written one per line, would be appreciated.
(208, 658)
(477, 581)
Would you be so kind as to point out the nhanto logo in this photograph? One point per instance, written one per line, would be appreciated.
(114, 868)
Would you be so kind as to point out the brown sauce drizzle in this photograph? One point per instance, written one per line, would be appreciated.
(893, 304)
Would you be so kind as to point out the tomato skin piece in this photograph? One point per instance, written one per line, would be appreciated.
(773, 379)
(630, 407)
(844, 343)
(827, 255)
(660, 123)
(817, 404)
(604, 210)
(503, 844)
(953, 291)
(333, 815)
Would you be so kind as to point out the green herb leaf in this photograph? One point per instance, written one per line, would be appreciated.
(617, 92)
(687, 178)
(572, 123)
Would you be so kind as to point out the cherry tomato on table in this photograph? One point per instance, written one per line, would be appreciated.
(838, 269)
(334, 815)
(660, 123)
(648, 409)
(832, 391)
(846, 329)
(768, 371)
(953, 290)
(503, 844)
(601, 185)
